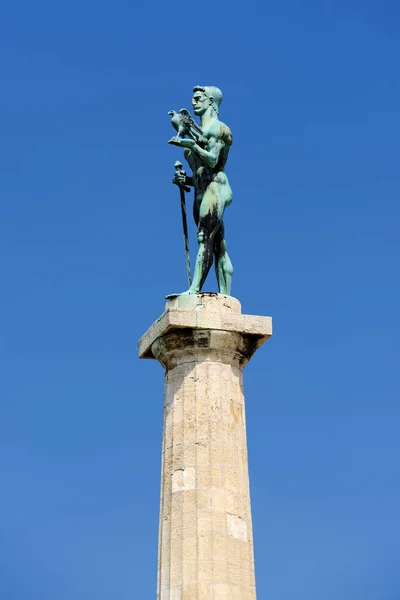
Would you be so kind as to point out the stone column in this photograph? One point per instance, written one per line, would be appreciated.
(205, 535)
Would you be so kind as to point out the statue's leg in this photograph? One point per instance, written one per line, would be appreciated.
(210, 221)
(223, 265)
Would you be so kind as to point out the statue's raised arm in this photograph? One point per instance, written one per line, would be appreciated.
(206, 151)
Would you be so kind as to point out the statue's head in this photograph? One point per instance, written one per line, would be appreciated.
(204, 97)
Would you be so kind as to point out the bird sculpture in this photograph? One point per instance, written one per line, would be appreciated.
(184, 124)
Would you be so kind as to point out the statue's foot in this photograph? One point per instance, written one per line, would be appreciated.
(188, 292)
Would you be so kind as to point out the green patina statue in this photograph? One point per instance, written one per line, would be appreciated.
(206, 151)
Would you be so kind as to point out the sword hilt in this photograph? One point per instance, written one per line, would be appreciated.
(179, 169)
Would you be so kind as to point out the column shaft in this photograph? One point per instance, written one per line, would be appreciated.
(206, 542)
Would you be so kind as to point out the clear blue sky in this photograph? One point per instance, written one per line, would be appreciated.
(91, 242)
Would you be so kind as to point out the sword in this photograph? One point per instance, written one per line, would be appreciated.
(182, 189)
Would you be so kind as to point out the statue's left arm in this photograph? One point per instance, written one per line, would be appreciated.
(209, 157)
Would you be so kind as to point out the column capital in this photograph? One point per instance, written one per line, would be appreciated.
(204, 323)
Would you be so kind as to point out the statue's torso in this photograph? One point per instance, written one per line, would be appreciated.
(203, 174)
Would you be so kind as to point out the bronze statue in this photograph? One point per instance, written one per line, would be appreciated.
(206, 151)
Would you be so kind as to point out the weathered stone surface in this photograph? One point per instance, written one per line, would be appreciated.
(205, 533)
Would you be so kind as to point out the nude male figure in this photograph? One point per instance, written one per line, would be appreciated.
(212, 193)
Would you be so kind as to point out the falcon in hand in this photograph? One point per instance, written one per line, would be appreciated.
(184, 124)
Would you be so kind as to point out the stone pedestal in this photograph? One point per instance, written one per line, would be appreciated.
(205, 535)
